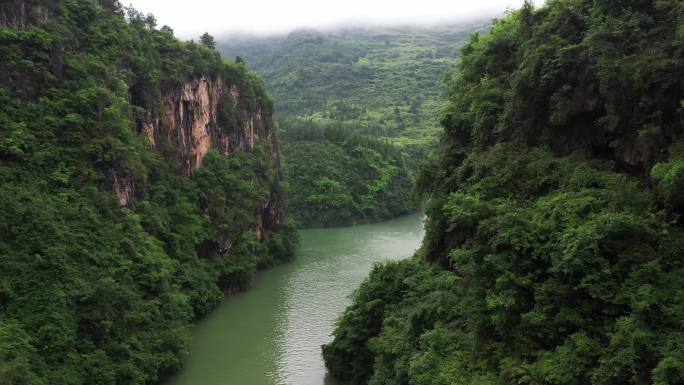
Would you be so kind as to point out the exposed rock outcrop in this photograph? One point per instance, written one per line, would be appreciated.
(188, 126)
(189, 122)
(122, 188)
(22, 13)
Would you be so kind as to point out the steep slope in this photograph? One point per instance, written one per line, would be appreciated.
(140, 181)
(554, 243)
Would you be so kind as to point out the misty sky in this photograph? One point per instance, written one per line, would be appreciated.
(218, 17)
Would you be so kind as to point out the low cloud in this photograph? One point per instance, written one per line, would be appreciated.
(266, 17)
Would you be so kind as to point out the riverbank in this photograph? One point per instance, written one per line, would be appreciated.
(271, 334)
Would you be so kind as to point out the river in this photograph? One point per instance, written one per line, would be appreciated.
(272, 333)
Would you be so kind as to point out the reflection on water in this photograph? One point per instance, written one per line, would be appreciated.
(272, 334)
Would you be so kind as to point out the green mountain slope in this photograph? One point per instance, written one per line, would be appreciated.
(554, 249)
(339, 177)
(380, 82)
(386, 81)
(134, 192)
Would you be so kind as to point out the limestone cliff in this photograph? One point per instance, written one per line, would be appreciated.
(188, 125)
(189, 122)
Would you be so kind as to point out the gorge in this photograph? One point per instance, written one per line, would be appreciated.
(272, 333)
(144, 182)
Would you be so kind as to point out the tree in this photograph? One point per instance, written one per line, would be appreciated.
(167, 30)
(526, 18)
(113, 5)
(208, 41)
(150, 21)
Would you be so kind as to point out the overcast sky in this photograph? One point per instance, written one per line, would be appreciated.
(189, 18)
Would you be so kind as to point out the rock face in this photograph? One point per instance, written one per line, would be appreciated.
(22, 13)
(122, 187)
(189, 123)
(188, 126)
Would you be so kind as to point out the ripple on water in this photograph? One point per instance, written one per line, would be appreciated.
(279, 325)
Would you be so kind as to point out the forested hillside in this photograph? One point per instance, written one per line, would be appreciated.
(384, 81)
(139, 182)
(554, 246)
(379, 82)
(339, 177)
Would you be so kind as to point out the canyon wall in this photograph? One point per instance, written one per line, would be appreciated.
(189, 121)
(187, 126)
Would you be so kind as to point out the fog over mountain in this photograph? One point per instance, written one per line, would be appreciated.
(268, 17)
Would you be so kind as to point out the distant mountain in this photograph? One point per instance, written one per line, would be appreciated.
(389, 81)
(367, 83)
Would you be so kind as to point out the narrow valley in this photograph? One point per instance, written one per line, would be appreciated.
(389, 193)
(272, 334)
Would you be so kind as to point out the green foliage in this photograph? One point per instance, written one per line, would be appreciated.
(16, 354)
(527, 273)
(92, 292)
(353, 359)
(668, 179)
(208, 41)
(338, 177)
(354, 86)
(548, 258)
(384, 82)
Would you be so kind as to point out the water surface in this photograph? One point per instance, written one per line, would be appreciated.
(272, 334)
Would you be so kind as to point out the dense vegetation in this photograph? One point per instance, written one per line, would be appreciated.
(376, 82)
(383, 81)
(92, 292)
(339, 177)
(554, 242)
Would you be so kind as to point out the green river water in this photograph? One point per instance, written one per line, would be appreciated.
(272, 333)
